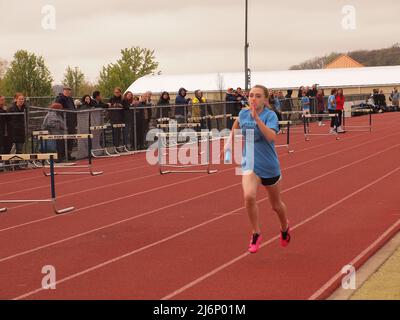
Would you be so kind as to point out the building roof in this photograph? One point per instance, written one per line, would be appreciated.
(344, 61)
(289, 79)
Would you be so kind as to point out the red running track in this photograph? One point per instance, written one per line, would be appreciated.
(138, 235)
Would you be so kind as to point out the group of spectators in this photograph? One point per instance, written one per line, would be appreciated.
(378, 100)
(124, 107)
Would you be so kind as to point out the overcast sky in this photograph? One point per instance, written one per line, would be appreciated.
(191, 36)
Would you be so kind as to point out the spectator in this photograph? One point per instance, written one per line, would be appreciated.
(231, 106)
(276, 103)
(201, 111)
(86, 103)
(332, 110)
(340, 99)
(67, 103)
(305, 103)
(377, 100)
(395, 98)
(148, 114)
(320, 106)
(165, 112)
(181, 100)
(313, 91)
(116, 115)
(5, 145)
(54, 123)
(286, 102)
(16, 123)
(98, 100)
(142, 119)
(241, 97)
(137, 128)
(382, 100)
(127, 103)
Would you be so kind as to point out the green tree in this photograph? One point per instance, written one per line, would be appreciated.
(27, 74)
(75, 79)
(3, 69)
(135, 62)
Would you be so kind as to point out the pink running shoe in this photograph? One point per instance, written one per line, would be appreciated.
(285, 237)
(255, 243)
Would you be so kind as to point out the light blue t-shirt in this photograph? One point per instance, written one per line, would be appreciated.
(305, 102)
(332, 102)
(266, 163)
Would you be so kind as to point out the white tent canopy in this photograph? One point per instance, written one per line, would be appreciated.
(289, 79)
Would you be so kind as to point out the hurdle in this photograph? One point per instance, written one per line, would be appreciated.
(282, 123)
(308, 116)
(287, 145)
(71, 137)
(179, 126)
(104, 150)
(35, 140)
(359, 128)
(37, 157)
(206, 120)
(125, 151)
(162, 144)
(289, 115)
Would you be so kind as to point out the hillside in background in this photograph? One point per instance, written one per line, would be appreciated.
(369, 58)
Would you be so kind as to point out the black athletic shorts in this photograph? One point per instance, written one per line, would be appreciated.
(268, 182)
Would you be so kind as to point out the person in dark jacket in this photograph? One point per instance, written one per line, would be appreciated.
(16, 123)
(181, 100)
(137, 126)
(5, 145)
(230, 99)
(117, 115)
(98, 100)
(164, 112)
(127, 103)
(143, 119)
(86, 103)
(68, 104)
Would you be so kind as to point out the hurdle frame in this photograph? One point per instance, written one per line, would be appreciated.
(289, 115)
(160, 147)
(125, 151)
(287, 145)
(104, 150)
(359, 128)
(70, 137)
(30, 157)
(307, 133)
(34, 138)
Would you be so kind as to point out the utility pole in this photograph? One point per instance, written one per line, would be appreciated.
(246, 53)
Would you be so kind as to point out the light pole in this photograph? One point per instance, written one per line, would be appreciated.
(247, 72)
